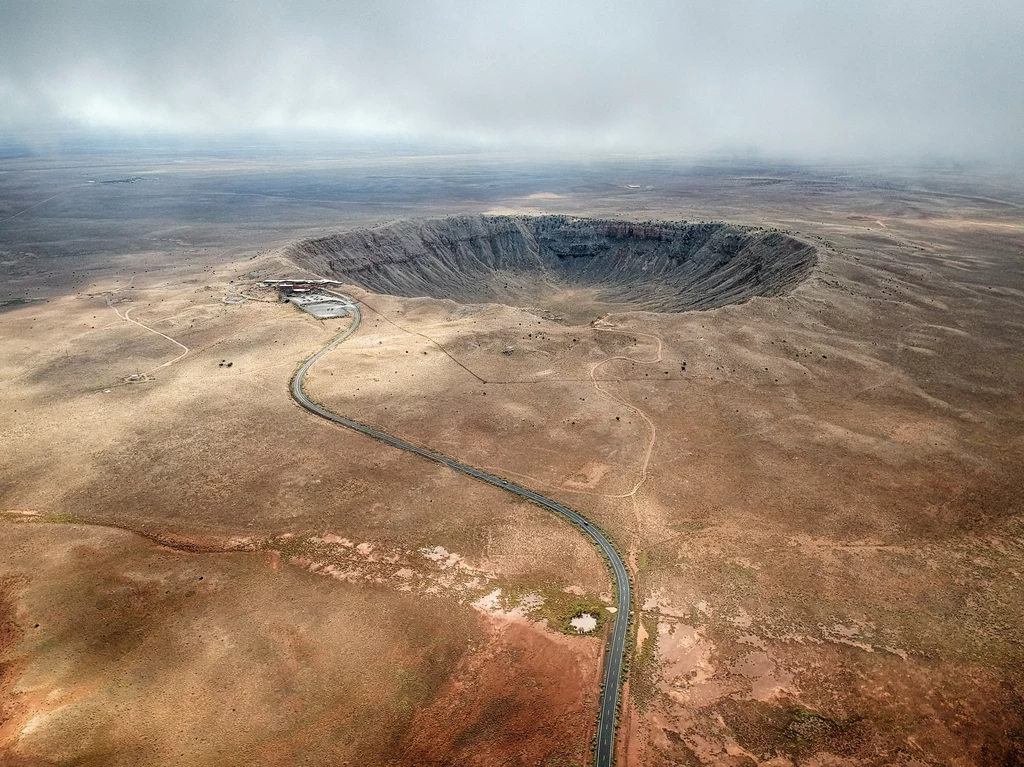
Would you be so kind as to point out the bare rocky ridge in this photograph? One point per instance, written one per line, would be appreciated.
(547, 261)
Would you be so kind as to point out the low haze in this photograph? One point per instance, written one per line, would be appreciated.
(460, 383)
(798, 79)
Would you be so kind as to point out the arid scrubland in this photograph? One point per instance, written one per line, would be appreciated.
(818, 489)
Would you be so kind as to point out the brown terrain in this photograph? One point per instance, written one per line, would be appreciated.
(818, 485)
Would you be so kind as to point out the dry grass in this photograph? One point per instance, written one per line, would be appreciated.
(828, 544)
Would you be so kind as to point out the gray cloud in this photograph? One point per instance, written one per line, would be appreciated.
(872, 78)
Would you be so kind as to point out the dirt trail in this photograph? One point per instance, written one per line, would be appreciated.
(127, 318)
(619, 400)
(37, 204)
(625, 403)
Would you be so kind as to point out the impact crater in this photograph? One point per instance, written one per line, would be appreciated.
(575, 268)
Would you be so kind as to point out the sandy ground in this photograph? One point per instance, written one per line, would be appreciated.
(126, 652)
(828, 526)
(822, 509)
(99, 480)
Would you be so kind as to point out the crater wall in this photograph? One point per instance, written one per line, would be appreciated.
(534, 261)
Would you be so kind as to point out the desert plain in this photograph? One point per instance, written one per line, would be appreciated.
(817, 490)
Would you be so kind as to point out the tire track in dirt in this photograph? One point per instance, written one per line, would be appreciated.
(127, 318)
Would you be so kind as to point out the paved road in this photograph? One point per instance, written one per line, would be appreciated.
(616, 648)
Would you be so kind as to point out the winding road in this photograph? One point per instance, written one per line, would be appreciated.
(604, 753)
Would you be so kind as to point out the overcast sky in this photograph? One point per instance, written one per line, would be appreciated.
(844, 78)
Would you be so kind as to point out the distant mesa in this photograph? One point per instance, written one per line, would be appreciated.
(577, 267)
(132, 180)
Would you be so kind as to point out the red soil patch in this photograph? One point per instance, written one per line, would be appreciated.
(10, 635)
(525, 697)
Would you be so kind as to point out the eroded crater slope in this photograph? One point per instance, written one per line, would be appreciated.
(571, 265)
